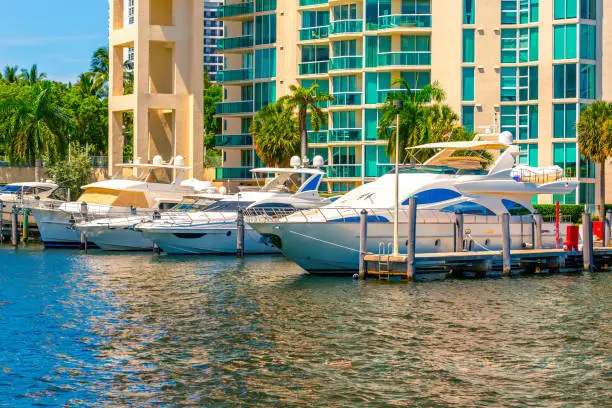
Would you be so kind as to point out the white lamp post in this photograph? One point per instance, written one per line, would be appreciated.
(398, 105)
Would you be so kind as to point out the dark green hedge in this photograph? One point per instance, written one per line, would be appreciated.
(573, 212)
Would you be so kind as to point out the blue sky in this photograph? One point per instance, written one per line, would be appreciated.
(58, 35)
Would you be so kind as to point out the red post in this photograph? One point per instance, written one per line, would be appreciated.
(557, 211)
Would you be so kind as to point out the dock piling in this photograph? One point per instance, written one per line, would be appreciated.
(26, 225)
(1, 221)
(506, 243)
(14, 226)
(608, 230)
(411, 250)
(537, 226)
(363, 243)
(459, 231)
(240, 234)
(587, 241)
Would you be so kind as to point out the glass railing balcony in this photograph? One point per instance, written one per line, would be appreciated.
(346, 27)
(314, 68)
(404, 21)
(224, 44)
(234, 108)
(404, 58)
(224, 173)
(314, 33)
(317, 137)
(348, 62)
(234, 75)
(383, 93)
(344, 171)
(306, 3)
(235, 10)
(243, 139)
(344, 135)
(347, 98)
(265, 5)
(378, 171)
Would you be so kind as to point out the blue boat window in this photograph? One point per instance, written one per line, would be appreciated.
(468, 208)
(435, 195)
(515, 208)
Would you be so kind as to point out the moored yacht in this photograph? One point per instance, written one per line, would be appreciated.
(456, 179)
(213, 230)
(135, 189)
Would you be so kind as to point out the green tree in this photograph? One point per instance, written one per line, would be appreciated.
(416, 114)
(213, 94)
(74, 172)
(305, 100)
(34, 125)
(32, 76)
(10, 74)
(595, 141)
(275, 134)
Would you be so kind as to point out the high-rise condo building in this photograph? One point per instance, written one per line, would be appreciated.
(525, 66)
(213, 30)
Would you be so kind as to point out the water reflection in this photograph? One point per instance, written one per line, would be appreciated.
(139, 330)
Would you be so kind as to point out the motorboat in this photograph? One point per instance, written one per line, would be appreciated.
(119, 234)
(213, 230)
(135, 189)
(480, 179)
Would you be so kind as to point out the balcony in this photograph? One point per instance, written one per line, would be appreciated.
(346, 63)
(404, 58)
(379, 171)
(308, 3)
(384, 93)
(235, 75)
(405, 21)
(346, 27)
(235, 108)
(319, 137)
(347, 98)
(236, 173)
(236, 11)
(314, 33)
(314, 68)
(238, 140)
(348, 135)
(344, 171)
(234, 43)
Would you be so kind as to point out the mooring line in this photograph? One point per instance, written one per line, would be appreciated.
(327, 242)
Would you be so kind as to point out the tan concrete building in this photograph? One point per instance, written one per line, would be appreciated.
(166, 103)
(526, 66)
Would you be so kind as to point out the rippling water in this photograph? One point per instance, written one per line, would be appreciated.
(140, 330)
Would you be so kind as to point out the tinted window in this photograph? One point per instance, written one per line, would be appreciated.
(435, 195)
(228, 206)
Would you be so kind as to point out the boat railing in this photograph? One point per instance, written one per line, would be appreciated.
(187, 219)
(528, 175)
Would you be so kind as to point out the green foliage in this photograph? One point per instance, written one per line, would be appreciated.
(74, 172)
(275, 134)
(212, 125)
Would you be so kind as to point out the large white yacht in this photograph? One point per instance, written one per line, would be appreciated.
(213, 230)
(456, 179)
(135, 189)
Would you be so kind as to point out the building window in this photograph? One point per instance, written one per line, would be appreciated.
(519, 45)
(529, 154)
(587, 193)
(265, 29)
(265, 5)
(565, 9)
(265, 63)
(564, 120)
(564, 81)
(469, 11)
(519, 84)
(265, 93)
(588, 9)
(521, 121)
(566, 38)
(467, 117)
(343, 155)
(519, 11)
(131, 12)
(246, 158)
(468, 84)
(345, 12)
(588, 41)
(468, 46)
(565, 155)
(588, 81)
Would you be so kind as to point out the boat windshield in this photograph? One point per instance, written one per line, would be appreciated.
(422, 169)
(281, 182)
(14, 189)
(228, 206)
(147, 175)
(193, 204)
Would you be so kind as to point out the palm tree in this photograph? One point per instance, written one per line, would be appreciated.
(10, 73)
(275, 134)
(595, 142)
(99, 61)
(89, 85)
(307, 100)
(416, 113)
(32, 76)
(35, 126)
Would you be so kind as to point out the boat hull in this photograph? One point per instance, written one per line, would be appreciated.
(56, 229)
(117, 239)
(334, 247)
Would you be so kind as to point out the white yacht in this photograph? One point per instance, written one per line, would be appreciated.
(453, 180)
(135, 189)
(213, 230)
(119, 234)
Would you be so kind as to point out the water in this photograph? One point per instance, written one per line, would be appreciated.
(140, 330)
